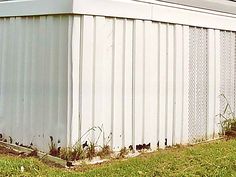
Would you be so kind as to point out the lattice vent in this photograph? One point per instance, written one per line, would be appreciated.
(227, 69)
(198, 84)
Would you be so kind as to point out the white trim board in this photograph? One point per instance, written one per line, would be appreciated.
(133, 9)
(35, 7)
(225, 6)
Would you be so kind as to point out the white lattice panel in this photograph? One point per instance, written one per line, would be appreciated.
(227, 57)
(198, 84)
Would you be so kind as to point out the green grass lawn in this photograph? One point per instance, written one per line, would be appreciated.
(211, 159)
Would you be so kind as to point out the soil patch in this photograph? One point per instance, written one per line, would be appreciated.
(8, 151)
(230, 134)
(11, 152)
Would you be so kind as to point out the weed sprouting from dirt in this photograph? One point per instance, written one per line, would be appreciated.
(66, 153)
(105, 151)
(53, 150)
(123, 152)
(91, 151)
(33, 153)
(227, 118)
(81, 150)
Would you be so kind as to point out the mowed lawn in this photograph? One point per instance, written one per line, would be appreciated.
(209, 159)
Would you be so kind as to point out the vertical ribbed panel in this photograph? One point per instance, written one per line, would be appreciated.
(33, 79)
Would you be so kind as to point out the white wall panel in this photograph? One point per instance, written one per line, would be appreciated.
(118, 84)
(170, 80)
(27, 84)
(98, 92)
(154, 85)
(64, 84)
(87, 75)
(178, 83)
(128, 82)
(53, 75)
(162, 84)
(148, 56)
(217, 82)
(138, 81)
(75, 74)
(185, 74)
(139, 92)
(107, 80)
(33, 80)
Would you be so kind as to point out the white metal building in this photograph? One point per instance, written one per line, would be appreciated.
(144, 71)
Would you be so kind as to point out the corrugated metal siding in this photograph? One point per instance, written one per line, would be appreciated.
(140, 81)
(33, 79)
(146, 82)
(133, 80)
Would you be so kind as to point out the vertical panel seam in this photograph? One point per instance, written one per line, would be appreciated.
(158, 87)
(144, 69)
(174, 89)
(112, 83)
(93, 76)
(80, 75)
(133, 82)
(123, 83)
(183, 62)
(167, 81)
(70, 79)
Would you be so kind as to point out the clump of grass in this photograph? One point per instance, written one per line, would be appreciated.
(66, 153)
(91, 151)
(81, 151)
(105, 151)
(227, 118)
(123, 152)
(72, 153)
(228, 127)
(78, 152)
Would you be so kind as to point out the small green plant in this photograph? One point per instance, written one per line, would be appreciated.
(227, 117)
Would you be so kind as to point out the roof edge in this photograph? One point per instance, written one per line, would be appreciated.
(35, 7)
(214, 5)
(151, 10)
(47, 7)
